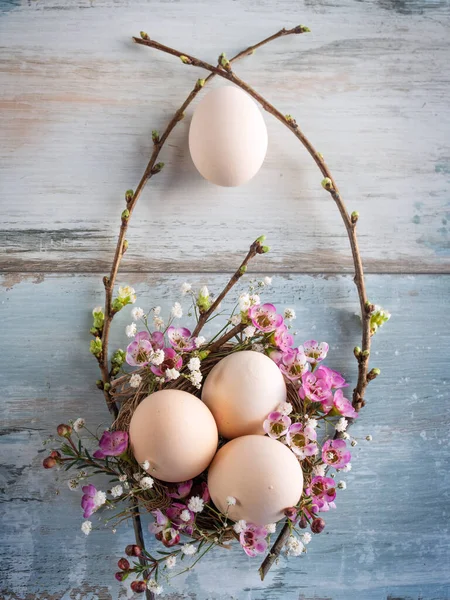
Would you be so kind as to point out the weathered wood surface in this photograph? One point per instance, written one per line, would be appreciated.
(78, 101)
(369, 86)
(388, 537)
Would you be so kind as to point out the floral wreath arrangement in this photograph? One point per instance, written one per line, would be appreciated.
(218, 439)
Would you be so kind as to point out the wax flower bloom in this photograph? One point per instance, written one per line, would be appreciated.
(91, 500)
(180, 339)
(322, 491)
(293, 364)
(265, 317)
(335, 453)
(252, 539)
(302, 440)
(283, 339)
(341, 406)
(316, 387)
(140, 350)
(276, 425)
(112, 443)
(315, 351)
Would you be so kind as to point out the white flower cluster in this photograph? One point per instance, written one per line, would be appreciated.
(116, 491)
(289, 314)
(231, 501)
(294, 547)
(78, 424)
(285, 408)
(247, 300)
(271, 527)
(158, 322)
(135, 380)
(341, 425)
(86, 527)
(240, 526)
(195, 376)
(186, 288)
(172, 374)
(188, 549)
(131, 330)
(99, 499)
(137, 313)
(154, 587)
(146, 483)
(177, 311)
(196, 504)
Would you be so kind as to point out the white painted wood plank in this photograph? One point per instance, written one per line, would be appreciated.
(369, 86)
(387, 538)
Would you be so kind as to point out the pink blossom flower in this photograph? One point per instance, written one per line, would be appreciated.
(180, 339)
(342, 406)
(140, 350)
(171, 361)
(335, 453)
(182, 489)
(174, 513)
(315, 351)
(169, 537)
(336, 380)
(87, 501)
(252, 540)
(283, 339)
(316, 387)
(275, 355)
(276, 424)
(264, 317)
(157, 340)
(293, 364)
(160, 523)
(302, 440)
(112, 443)
(323, 493)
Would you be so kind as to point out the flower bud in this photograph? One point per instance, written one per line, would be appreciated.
(138, 587)
(318, 525)
(185, 59)
(357, 351)
(291, 513)
(123, 564)
(121, 575)
(303, 523)
(99, 384)
(64, 430)
(157, 168)
(200, 83)
(133, 550)
(155, 136)
(129, 195)
(327, 183)
(261, 239)
(144, 35)
(125, 215)
(354, 216)
(49, 462)
(55, 454)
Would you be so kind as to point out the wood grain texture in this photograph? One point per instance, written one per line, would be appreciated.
(369, 86)
(388, 537)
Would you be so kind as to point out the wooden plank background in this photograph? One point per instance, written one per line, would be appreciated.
(370, 86)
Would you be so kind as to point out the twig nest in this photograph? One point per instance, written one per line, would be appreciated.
(241, 390)
(176, 433)
(261, 473)
(228, 137)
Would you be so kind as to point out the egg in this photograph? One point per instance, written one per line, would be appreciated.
(176, 433)
(262, 474)
(241, 390)
(227, 137)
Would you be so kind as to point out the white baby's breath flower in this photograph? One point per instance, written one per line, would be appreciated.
(86, 527)
(177, 311)
(347, 468)
(135, 380)
(294, 546)
(146, 483)
(196, 504)
(289, 314)
(131, 330)
(285, 408)
(306, 537)
(341, 425)
(99, 498)
(244, 302)
(258, 348)
(319, 470)
(196, 377)
(345, 436)
(158, 322)
(97, 309)
(116, 491)
(353, 443)
(312, 423)
(172, 374)
(199, 341)
(146, 465)
(267, 280)
(157, 357)
(369, 438)
(235, 320)
(249, 331)
(188, 549)
(271, 527)
(157, 310)
(137, 313)
(78, 424)
(240, 526)
(73, 484)
(185, 515)
(342, 485)
(186, 288)
(82, 474)
(171, 562)
(231, 500)
(194, 364)
(122, 478)
(153, 586)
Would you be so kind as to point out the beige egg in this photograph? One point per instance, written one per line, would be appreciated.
(176, 433)
(228, 137)
(262, 474)
(241, 390)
